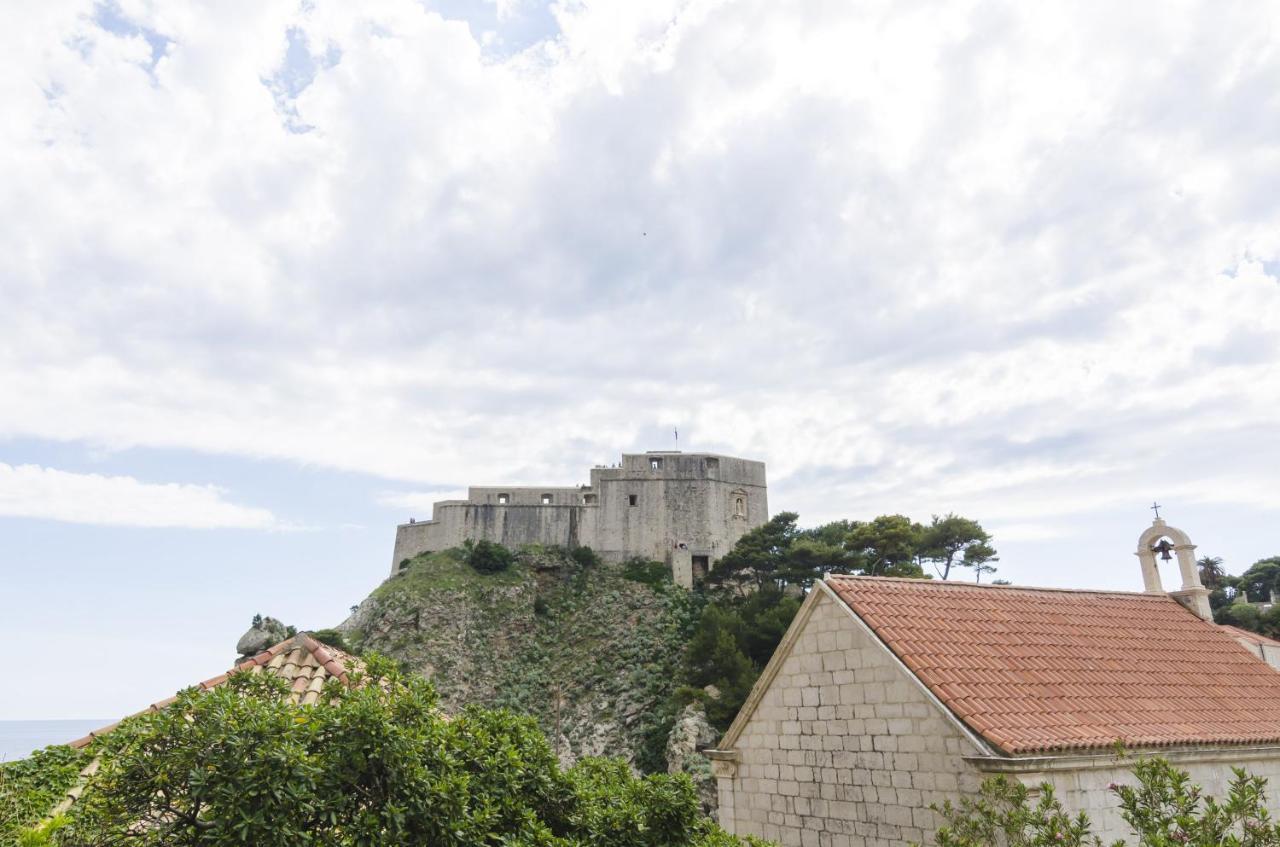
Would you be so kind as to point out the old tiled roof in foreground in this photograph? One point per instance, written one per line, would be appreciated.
(1251, 637)
(299, 660)
(1037, 670)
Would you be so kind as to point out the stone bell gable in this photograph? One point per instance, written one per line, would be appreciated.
(1162, 538)
(887, 696)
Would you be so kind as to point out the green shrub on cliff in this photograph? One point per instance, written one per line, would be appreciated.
(373, 764)
(585, 557)
(488, 557)
(334, 638)
(646, 571)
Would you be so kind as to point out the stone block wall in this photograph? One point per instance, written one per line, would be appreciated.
(689, 498)
(1086, 788)
(651, 505)
(511, 525)
(844, 748)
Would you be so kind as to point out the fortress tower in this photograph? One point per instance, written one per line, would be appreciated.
(685, 509)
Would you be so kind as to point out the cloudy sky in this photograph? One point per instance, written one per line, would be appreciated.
(274, 276)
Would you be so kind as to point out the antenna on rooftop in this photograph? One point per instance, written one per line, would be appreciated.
(675, 430)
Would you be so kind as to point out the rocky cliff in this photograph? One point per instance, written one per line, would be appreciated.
(592, 654)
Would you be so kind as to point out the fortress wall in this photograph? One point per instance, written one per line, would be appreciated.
(512, 526)
(703, 501)
(688, 499)
(526, 495)
(415, 538)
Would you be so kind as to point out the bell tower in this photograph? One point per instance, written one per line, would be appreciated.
(1162, 539)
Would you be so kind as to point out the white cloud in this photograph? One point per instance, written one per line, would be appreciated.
(419, 503)
(1016, 258)
(31, 491)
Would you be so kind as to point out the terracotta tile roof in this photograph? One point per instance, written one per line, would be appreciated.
(1037, 670)
(299, 660)
(1251, 637)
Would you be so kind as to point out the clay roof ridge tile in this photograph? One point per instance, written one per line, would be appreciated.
(300, 670)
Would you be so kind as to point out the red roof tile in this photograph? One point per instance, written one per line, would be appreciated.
(1252, 637)
(1035, 670)
(299, 660)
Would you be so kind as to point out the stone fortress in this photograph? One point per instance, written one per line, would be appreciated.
(684, 509)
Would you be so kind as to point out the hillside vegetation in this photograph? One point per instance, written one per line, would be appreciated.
(607, 657)
(593, 652)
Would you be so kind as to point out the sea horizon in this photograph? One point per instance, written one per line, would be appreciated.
(19, 739)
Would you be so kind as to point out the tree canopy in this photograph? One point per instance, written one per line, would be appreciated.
(754, 591)
(1211, 572)
(1244, 600)
(762, 557)
(953, 541)
(889, 545)
(376, 763)
(780, 554)
(1261, 579)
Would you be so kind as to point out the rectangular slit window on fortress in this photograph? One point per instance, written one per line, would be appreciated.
(546, 499)
(633, 499)
(655, 464)
(503, 499)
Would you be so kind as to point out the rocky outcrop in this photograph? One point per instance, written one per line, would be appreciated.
(263, 633)
(690, 735)
(591, 655)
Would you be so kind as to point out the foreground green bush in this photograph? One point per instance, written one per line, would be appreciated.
(1164, 809)
(31, 787)
(375, 765)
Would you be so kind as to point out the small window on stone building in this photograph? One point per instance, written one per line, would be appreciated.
(655, 464)
(504, 499)
(633, 499)
(713, 464)
(589, 499)
(546, 499)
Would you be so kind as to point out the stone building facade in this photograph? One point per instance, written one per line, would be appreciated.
(840, 748)
(685, 509)
(887, 696)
